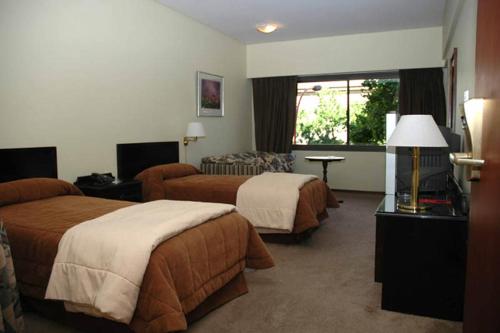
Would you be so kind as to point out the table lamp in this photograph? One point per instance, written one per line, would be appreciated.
(416, 131)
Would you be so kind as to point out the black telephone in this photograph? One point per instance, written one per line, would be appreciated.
(101, 178)
(96, 179)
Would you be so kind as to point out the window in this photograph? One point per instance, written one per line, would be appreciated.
(344, 111)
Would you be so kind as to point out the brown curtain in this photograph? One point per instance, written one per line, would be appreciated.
(421, 91)
(275, 115)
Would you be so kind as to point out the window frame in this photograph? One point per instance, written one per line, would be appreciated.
(393, 74)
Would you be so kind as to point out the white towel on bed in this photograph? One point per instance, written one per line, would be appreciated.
(100, 263)
(270, 199)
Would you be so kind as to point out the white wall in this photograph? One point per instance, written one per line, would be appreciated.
(460, 32)
(462, 35)
(415, 48)
(393, 50)
(361, 171)
(84, 75)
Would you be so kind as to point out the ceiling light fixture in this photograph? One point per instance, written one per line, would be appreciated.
(267, 28)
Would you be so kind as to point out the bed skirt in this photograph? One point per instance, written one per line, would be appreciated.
(54, 310)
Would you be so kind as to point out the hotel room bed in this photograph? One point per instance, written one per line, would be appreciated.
(178, 181)
(187, 275)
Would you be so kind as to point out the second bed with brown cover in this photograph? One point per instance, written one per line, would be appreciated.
(179, 181)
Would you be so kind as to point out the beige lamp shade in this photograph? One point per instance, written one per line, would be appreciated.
(416, 130)
(195, 129)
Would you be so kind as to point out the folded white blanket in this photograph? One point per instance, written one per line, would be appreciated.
(270, 199)
(100, 263)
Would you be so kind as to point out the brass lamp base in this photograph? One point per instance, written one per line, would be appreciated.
(412, 208)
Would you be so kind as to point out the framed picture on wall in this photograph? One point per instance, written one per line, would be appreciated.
(210, 95)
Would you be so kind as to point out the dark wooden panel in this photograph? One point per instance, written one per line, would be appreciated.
(424, 267)
(20, 163)
(482, 300)
(132, 158)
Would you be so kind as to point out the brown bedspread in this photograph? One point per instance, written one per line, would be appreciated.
(182, 272)
(183, 182)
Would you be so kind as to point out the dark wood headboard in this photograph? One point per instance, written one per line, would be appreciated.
(19, 163)
(132, 158)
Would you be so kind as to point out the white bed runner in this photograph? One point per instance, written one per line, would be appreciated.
(270, 199)
(100, 263)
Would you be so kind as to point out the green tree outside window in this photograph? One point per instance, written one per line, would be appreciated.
(327, 124)
(369, 125)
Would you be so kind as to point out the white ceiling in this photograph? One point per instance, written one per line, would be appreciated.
(309, 18)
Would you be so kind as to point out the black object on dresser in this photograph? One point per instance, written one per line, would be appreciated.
(130, 190)
(420, 259)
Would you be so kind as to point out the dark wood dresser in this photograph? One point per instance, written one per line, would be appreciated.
(421, 258)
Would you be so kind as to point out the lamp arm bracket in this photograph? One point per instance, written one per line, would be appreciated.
(186, 139)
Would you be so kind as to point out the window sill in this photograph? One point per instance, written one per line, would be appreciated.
(368, 148)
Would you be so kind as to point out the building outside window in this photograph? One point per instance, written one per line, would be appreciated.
(346, 111)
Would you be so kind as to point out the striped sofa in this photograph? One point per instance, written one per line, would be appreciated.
(248, 163)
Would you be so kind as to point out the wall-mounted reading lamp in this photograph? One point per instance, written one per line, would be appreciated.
(472, 123)
(194, 131)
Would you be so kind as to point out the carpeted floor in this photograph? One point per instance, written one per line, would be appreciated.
(322, 285)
